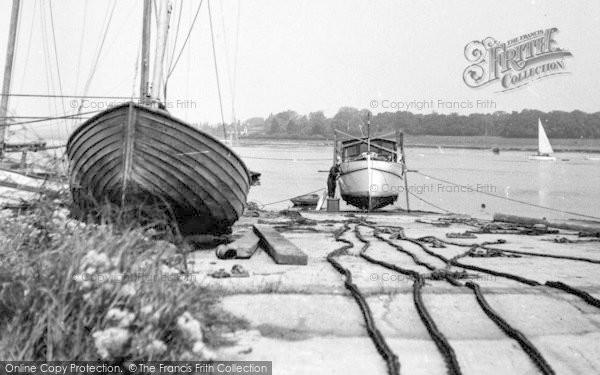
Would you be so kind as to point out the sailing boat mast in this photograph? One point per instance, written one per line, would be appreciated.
(145, 60)
(164, 12)
(369, 133)
(10, 57)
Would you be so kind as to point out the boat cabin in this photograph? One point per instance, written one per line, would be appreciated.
(380, 149)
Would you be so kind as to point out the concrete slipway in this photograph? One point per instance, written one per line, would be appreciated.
(304, 319)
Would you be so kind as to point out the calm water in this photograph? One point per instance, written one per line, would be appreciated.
(290, 169)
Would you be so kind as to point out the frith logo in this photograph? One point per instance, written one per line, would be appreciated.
(514, 63)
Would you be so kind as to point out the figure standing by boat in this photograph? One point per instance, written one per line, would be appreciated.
(334, 174)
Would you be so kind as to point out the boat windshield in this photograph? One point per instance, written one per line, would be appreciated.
(381, 149)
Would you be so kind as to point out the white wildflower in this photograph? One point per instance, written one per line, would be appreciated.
(122, 318)
(128, 290)
(202, 350)
(189, 327)
(94, 261)
(146, 310)
(156, 347)
(111, 342)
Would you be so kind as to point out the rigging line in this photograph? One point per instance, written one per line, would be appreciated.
(429, 203)
(56, 60)
(47, 64)
(171, 69)
(136, 70)
(118, 32)
(23, 117)
(235, 57)
(49, 119)
(85, 6)
(285, 159)
(510, 199)
(95, 64)
(28, 45)
(68, 96)
(176, 35)
(212, 37)
(227, 60)
(188, 59)
(285, 200)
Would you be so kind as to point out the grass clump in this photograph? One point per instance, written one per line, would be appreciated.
(75, 291)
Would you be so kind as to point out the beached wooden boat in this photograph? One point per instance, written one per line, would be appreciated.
(371, 172)
(136, 155)
(132, 154)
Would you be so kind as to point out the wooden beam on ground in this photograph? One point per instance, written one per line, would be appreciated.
(246, 245)
(278, 247)
(585, 226)
(33, 189)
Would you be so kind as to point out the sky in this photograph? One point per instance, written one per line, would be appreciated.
(275, 55)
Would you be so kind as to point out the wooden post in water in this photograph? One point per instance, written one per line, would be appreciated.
(400, 141)
(10, 57)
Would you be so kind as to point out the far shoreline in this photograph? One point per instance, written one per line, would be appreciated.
(560, 145)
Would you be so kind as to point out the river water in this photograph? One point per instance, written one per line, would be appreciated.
(572, 183)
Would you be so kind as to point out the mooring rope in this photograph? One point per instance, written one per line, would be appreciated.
(484, 245)
(437, 336)
(393, 365)
(507, 198)
(513, 333)
(577, 292)
(553, 284)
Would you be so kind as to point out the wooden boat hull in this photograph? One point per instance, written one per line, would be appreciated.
(132, 155)
(370, 184)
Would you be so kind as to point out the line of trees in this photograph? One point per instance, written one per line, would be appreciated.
(290, 124)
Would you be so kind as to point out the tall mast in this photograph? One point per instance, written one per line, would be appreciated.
(164, 12)
(10, 57)
(145, 68)
(369, 132)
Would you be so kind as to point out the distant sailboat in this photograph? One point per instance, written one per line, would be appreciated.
(544, 148)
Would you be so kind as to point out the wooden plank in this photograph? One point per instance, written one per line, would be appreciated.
(33, 189)
(246, 245)
(574, 226)
(278, 247)
(29, 146)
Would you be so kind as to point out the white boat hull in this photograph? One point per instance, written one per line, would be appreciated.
(370, 184)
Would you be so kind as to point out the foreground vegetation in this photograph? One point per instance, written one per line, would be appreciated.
(75, 291)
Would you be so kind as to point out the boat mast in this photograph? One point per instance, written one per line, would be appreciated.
(145, 60)
(10, 57)
(369, 133)
(164, 12)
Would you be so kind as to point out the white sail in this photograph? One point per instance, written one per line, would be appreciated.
(544, 147)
